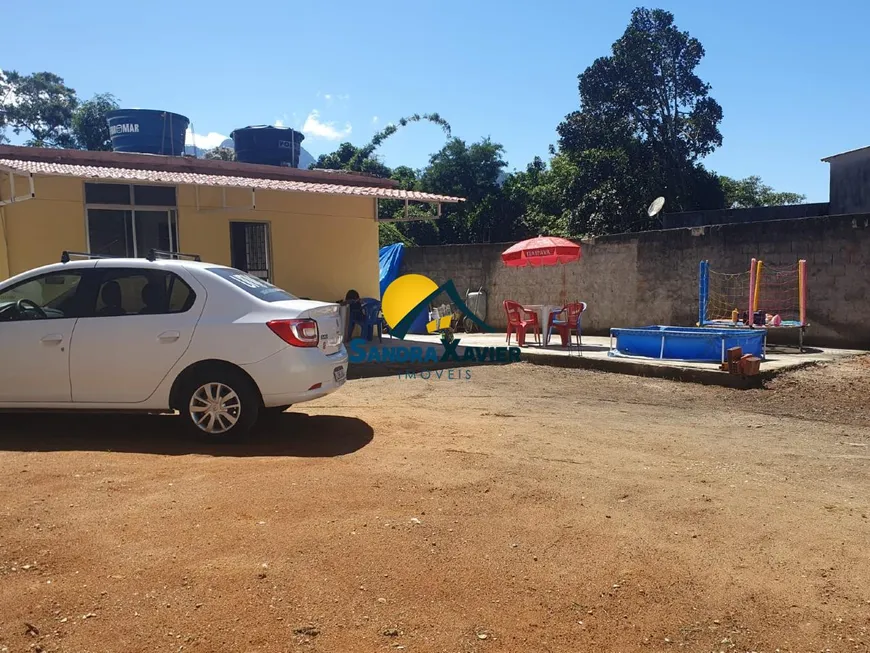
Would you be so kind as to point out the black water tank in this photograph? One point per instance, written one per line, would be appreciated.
(274, 146)
(147, 131)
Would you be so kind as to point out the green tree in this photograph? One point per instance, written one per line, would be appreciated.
(89, 122)
(406, 176)
(422, 227)
(389, 234)
(43, 107)
(347, 157)
(363, 159)
(469, 171)
(5, 97)
(751, 192)
(408, 180)
(645, 122)
(539, 199)
(364, 153)
(220, 154)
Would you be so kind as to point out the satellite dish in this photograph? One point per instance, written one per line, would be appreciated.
(655, 208)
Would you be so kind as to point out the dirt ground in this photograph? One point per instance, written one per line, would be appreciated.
(524, 509)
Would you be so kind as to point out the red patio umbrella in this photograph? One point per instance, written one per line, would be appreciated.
(540, 251)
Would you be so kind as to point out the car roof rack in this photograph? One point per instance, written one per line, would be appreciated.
(154, 254)
(66, 256)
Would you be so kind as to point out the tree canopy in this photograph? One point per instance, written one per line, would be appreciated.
(645, 122)
(363, 159)
(50, 114)
(5, 97)
(43, 107)
(751, 192)
(90, 127)
(220, 153)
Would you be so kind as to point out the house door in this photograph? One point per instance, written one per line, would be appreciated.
(249, 248)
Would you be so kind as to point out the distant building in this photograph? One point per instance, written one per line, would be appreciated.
(850, 181)
(850, 193)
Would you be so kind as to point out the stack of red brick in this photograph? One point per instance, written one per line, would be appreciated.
(738, 363)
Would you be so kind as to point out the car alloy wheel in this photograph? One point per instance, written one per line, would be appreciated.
(215, 408)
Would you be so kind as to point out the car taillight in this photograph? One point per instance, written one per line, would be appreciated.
(299, 333)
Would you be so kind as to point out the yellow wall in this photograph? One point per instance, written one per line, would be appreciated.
(4, 260)
(38, 230)
(321, 245)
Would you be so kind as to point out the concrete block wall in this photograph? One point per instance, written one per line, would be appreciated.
(652, 277)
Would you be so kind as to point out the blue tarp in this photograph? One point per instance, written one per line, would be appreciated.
(390, 259)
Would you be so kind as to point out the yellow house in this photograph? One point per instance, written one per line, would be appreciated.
(314, 233)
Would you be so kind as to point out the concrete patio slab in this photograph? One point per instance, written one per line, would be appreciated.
(594, 355)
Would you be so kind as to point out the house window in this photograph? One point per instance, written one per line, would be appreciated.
(129, 220)
(249, 248)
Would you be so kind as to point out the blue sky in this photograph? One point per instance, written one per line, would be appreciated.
(790, 76)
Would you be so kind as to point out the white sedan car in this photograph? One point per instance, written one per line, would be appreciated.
(214, 343)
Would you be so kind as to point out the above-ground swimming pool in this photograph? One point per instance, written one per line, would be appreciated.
(699, 344)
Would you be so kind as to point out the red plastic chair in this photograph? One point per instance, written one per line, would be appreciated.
(571, 316)
(532, 318)
(519, 320)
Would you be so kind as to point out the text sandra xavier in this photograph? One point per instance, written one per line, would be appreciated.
(359, 353)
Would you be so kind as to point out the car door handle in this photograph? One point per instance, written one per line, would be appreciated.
(53, 338)
(169, 336)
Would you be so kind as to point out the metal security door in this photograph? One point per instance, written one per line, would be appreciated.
(249, 246)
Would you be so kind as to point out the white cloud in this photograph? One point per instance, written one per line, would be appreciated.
(374, 120)
(343, 98)
(314, 128)
(205, 142)
(327, 97)
(279, 122)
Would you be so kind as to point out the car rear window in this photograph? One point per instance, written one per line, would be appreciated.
(252, 285)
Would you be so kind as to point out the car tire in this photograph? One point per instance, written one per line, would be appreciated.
(220, 405)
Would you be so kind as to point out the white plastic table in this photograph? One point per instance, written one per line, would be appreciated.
(544, 311)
